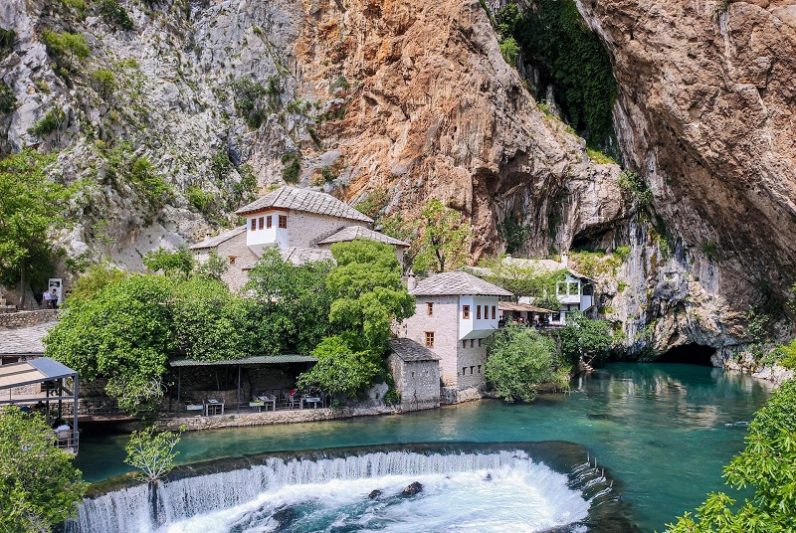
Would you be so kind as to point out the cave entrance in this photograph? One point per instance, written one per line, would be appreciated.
(688, 354)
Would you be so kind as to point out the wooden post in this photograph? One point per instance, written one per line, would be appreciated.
(238, 388)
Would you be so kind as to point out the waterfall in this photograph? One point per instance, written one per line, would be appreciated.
(128, 510)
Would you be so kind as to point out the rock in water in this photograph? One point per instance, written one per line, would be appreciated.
(414, 488)
(374, 494)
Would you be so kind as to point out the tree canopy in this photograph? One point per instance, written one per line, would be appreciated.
(31, 206)
(152, 453)
(586, 338)
(293, 303)
(368, 292)
(39, 485)
(341, 369)
(767, 466)
(520, 361)
(443, 238)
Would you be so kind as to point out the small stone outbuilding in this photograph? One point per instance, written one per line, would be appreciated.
(415, 370)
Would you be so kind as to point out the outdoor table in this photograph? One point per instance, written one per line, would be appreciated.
(214, 407)
(314, 400)
(268, 399)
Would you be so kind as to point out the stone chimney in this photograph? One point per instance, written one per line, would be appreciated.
(411, 281)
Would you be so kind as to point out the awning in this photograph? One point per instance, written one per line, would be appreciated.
(33, 371)
(522, 307)
(258, 360)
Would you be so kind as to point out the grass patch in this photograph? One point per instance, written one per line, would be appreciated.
(49, 123)
(7, 40)
(248, 96)
(65, 45)
(104, 81)
(599, 157)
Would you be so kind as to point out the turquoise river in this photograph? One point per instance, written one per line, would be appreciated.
(663, 431)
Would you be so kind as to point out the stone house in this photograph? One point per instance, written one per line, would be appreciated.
(301, 223)
(455, 314)
(415, 370)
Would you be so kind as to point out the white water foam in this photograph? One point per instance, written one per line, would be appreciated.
(502, 491)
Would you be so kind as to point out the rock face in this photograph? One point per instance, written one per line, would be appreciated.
(412, 99)
(706, 113)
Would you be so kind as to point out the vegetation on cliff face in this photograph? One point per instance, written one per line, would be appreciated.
(555, 39)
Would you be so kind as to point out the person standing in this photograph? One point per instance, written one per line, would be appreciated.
(47, 299)
(53, 298)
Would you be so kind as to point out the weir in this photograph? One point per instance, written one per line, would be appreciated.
(581, 489)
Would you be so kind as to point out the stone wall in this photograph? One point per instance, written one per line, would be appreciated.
(471, 364)
(444, 323)
(306, 229)
(452, 395)
(23, 319)
(417, 382)
(197, 423)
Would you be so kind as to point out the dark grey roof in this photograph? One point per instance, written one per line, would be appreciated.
(304, 200)
(451, 283)
(212, 242)
(33, 371)
(409, 351)
(351, 233)
(24, 341)
(257, 360)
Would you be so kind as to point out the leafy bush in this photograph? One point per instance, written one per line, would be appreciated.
(510, 50)
(147, 181)
(444, 238)
(39, 485)
(586, 339)
(374, 202)
(248, 101)
(766, 466)
(595, 265)
(220, 166)
(524, 280)
(104, 81)
(8, 101)
(520, 361)
(340, 369)
(291, 169)
(115, 15)
(203, 201)
(636, 188)
(65, 44)
(784, 355)
(96, 278)
(170, 262)
(49, 123)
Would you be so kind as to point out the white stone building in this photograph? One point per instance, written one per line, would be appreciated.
(455, 314)
(301, 223)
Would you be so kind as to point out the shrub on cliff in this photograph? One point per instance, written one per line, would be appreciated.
(766, 466)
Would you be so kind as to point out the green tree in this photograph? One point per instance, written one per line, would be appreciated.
(209, 322)
(586, 339)
(444, 239)
(766, 466)
(170, 262)
(214, 267)
(368, 292)
(152, 453)
(520, 361)
(341, 369)
(39, 485)
(293, 303)
(96, 278)
(123, 334)
(31, 207)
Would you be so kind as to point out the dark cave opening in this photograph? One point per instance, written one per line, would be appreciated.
(689, 354)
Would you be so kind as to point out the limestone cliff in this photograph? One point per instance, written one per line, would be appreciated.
(413, 99)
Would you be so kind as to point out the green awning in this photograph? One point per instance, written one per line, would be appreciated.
(258, 360)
